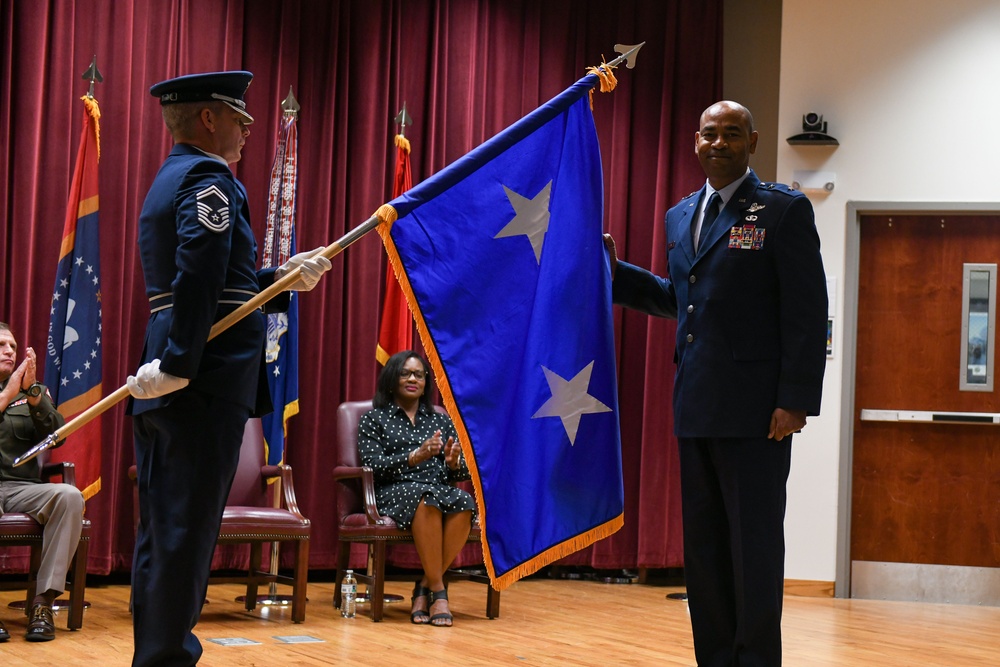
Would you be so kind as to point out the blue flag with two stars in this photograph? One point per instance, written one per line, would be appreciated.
(502, 260)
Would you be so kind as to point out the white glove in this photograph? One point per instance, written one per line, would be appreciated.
(311, 267)
(150, 382)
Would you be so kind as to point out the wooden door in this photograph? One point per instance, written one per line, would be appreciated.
(922, 492)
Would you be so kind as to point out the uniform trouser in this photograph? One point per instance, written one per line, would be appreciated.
(58, 507)
(186, 457)
(733, 504)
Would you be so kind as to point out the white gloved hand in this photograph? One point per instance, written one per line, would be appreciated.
(150, 382)
(311, 267)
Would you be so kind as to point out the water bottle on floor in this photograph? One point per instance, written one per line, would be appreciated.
(348, 593)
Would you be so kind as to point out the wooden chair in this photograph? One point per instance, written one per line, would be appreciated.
(20, 530)
(250, 518)
(359, 520)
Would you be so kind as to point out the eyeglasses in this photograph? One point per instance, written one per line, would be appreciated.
(406, 375)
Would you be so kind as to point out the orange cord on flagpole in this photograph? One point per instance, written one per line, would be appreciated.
(607, 78)
(402, 142)
(95, 112)
(386, 214)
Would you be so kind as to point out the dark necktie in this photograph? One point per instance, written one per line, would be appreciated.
(711, 213)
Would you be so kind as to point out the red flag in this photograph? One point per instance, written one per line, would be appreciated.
(396, 332)
(73, 354)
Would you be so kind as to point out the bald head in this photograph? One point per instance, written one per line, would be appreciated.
(733, 107)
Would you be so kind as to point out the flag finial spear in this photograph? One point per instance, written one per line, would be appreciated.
(403, 119)
(290, 105)
(628, 53)
(93, 75)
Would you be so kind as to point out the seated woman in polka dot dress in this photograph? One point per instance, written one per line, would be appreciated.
(414, 453)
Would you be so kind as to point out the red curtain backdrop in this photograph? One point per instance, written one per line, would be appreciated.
(465, 68)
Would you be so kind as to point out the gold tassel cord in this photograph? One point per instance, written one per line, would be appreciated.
(403, 142)
(386, 215)
(607, 78)
(95, 112)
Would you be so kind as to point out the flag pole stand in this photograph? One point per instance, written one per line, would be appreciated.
(387, 598)
(57, 605)
(272, 599)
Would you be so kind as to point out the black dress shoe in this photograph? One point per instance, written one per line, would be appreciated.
(4, 635)
(41, 627)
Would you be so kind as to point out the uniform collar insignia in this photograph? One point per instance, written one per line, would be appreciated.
(755, 207)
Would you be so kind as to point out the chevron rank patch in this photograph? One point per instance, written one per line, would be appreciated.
(213, 209)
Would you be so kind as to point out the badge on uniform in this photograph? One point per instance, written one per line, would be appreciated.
(213, 209)
(747, 237)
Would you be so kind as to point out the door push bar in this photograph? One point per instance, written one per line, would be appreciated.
(929, 417)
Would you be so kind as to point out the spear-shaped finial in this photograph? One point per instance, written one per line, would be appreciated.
(290, 105)
(628, 53)
(93, 75)
(403, 119)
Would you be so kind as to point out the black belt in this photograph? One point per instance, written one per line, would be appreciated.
(231, 297)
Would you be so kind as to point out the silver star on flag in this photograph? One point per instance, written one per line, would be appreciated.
(570, 400)
(531, 219)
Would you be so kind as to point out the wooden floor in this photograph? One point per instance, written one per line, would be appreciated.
(542, 622)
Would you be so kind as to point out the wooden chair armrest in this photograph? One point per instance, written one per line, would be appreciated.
(64, 469)
(367, 477)
(288, 488)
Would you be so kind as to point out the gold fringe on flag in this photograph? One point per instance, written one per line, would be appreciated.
(403, 142)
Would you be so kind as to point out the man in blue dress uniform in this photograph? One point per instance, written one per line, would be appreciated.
(191, 396)
(749, 295)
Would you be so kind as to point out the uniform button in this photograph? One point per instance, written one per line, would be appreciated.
(690, 338)
(691, 279)
(690, 309)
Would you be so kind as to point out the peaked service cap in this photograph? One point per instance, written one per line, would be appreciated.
(228, 87)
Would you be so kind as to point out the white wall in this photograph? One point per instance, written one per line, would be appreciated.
(912, 92)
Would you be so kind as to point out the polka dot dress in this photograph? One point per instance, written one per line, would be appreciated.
(386, 436)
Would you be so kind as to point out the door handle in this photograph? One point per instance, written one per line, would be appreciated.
(929, 417)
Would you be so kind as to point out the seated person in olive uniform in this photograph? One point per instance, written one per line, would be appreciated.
(27, 417)
(414, 453)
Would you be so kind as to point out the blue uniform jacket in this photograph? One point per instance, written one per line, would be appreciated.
(751, 307)
(199, 259)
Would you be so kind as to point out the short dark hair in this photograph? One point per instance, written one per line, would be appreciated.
(388, 380)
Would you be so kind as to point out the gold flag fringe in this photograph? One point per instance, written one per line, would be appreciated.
(607, 78)
(95, 112)
(403, 142)
(548, 556)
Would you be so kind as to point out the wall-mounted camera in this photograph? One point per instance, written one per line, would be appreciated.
(813, 122)
(813, 132)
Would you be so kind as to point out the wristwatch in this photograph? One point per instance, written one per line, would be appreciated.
(35, 390)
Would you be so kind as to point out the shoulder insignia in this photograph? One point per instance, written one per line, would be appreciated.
(213, 209)
(690, 195)
(778, 187)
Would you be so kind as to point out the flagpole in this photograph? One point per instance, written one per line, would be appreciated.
(290, 107)
(385, 213)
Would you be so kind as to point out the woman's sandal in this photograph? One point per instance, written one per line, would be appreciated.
(447, 617)
(420, 616)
